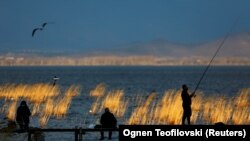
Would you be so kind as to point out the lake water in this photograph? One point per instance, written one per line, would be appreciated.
(218, 80)
(133, 80)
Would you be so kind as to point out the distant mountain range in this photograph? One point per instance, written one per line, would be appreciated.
(235, 46)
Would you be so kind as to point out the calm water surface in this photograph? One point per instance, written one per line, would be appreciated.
(218, 80)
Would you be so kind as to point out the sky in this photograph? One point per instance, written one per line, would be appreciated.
(80, 25)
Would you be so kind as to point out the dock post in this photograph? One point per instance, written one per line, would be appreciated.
(29, 135)
(80, 134)
(76, 134)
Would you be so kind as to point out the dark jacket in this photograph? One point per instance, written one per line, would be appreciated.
(186, 99)
(108, 120)
(186, 103)
(23, 114)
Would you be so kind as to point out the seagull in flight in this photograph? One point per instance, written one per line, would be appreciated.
(34, 31)
(40, 28)
(44, 24)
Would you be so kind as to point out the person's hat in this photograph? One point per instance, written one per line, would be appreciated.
(106, 109)
(184, 86)
(23, 103)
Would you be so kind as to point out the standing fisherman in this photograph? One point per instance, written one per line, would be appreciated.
(186, 104)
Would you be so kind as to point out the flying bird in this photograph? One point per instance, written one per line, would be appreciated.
(44, 24)
(40, 28)
(34, 31)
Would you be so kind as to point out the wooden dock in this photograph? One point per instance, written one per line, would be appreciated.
(78, 132)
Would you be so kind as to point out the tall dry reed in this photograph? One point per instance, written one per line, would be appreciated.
(45, 100)
(49, 101)
(114, 100)
(99, 90)
(140, 114)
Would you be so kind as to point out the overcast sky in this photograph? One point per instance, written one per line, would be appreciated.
(83, 24)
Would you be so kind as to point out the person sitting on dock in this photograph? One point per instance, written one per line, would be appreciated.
(108, 120)
(22, 116)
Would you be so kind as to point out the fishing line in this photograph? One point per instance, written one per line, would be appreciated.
(220, 46)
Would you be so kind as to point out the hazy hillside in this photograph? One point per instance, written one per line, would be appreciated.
(235, 46)
(235, 51)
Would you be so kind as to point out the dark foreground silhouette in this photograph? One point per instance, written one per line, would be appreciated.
(22, 116)
(108, 120)
(186, 104)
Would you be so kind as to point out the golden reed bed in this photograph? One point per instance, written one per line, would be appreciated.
(47, 101)
(152, 109)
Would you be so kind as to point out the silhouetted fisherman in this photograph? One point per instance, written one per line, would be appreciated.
(108, 120)
(22, 115)
(186, 104)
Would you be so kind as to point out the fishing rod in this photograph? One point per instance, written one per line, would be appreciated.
(220, 46)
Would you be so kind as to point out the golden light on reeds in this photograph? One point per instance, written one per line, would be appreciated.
(99, 90)
(48, 101)
(43, 120)
(169, 110)
(114, 100)
(231, 111)
(241, 112)
(38, 93)
(35, 109)
(63, 104)
(242, 99)
(58, 107)
(207, 110)
(11, 112)
(197, 105)
(95, 106)
(140, 114)
(73, 91)
(45, 100)
(35, 93)
(241, 116)
(48, 107)
(62, 107)
(47, 112)
(218, 109)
